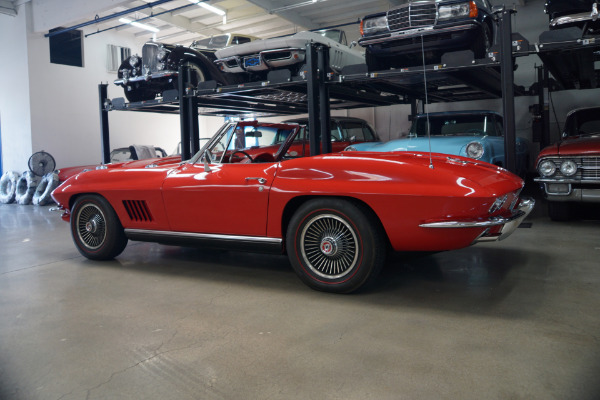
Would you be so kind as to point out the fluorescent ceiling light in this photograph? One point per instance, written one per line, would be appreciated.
(139, 25)
(208, 7)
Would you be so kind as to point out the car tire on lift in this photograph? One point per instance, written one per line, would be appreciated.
(96, 229)
(43, 191)
(336, 245)
(26, 188)
(8, 187)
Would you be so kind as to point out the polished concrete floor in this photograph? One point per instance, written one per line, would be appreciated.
(518, 319)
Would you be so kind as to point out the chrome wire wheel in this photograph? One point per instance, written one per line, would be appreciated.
(91, 226)
(329, 246)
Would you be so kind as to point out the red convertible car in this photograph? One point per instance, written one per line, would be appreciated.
(335, 215)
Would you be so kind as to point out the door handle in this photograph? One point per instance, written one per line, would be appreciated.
(262, 181)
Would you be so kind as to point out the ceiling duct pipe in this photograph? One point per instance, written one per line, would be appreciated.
(108, 17)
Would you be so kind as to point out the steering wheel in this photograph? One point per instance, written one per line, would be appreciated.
(240, 151)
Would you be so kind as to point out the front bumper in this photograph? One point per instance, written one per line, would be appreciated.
(262, 61)
(394, 40)
(570, 190)
(508, 224)
(146, 78)
(576, 18)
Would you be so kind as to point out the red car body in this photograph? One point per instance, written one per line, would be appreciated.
(340, 210)
(570, 169)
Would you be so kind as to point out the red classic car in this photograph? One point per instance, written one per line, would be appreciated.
(570, 169)
(335, 215)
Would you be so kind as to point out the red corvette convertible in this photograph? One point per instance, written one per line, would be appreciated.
(335, 215)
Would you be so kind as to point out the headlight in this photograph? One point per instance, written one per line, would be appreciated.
(134, 61)
(373, 25)
(161, 54)
(461, 10)
(475, 150)
(546, 168)
(568, 168)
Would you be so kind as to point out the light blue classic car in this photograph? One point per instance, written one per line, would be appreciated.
(475, 134)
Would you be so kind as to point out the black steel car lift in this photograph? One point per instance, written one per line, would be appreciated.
(459, 77)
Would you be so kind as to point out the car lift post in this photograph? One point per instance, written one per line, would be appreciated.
(508, 91)
(312, 83)
(103, 96)
(188, 114)
(324, 106)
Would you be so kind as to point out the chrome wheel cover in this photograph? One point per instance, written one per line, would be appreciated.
(329, 246)
(91, 226)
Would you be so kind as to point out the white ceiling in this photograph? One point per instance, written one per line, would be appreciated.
(180, 21)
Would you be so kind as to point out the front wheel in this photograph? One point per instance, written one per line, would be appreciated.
(96, 229)
(335, 245)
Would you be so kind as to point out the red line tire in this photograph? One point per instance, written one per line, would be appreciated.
(335, 245)
(96, 229)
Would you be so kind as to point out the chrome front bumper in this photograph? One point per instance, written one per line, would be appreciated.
(509, 224)
(563, 190)
(415, 32)
(147, 77)
(573, 18)
(262, 61)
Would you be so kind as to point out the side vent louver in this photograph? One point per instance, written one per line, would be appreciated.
(137, 210)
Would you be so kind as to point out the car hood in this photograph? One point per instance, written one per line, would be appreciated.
(297, 40)
(446, 145)
(582, 145)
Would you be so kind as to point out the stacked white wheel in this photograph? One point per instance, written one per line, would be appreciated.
(26, 188)
(8, 187)
(43, 191)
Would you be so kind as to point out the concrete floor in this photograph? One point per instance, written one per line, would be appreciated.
(517, 319)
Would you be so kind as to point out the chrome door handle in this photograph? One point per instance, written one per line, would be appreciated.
(262, 181)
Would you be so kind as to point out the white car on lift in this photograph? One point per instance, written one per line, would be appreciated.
(261, 56)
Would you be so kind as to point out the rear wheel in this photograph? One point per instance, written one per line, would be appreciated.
(96, 229)
(335, 245)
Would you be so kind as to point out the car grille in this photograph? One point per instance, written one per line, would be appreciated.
(149, 61)
(590, 167)
(412, 15)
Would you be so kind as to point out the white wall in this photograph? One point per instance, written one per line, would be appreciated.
(15, 125)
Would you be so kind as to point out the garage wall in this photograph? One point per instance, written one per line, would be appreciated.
(55, 107)
(14, 93)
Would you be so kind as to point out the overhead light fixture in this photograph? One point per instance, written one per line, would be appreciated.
(210, 8)
(139, 25)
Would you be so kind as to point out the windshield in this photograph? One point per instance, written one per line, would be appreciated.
(214, 42)
(249, 143)
(583, 122)
(455, 125)
(342, 131)
(334, 34)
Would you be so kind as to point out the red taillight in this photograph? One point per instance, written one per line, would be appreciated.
(362, 32)
(473, 9)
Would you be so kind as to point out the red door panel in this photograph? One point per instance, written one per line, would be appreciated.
(230, 199)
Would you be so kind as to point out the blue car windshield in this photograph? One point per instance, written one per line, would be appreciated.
(455, 125)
